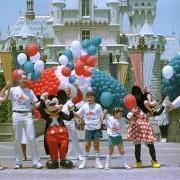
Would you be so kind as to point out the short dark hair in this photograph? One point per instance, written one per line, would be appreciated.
(117, 110)
(90, 93)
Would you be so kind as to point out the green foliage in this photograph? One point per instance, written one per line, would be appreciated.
(5, 107)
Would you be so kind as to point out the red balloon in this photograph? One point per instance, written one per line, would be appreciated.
(79, 67)
(15, 75)
(83, 58)
(91, 61)
(32, 49)
(66, 71)
(87, 72)
(130, 101)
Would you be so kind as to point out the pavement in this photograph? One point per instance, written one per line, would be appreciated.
(168, 154)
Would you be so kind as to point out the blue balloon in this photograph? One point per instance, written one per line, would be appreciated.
(71, 65)
(91, 50)
(69, 54)
(36, 75)
(28, 67)
(72, 79)
(106, 99)
(86, 43)
(96, 40)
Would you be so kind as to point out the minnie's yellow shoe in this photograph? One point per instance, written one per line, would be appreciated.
(139, 165)
(155, 164)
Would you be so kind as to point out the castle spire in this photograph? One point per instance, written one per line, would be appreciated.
(30, 14)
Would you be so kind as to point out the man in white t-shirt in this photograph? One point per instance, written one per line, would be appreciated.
(22, 100)
(91, 113)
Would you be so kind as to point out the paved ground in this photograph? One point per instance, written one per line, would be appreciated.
(168, 154)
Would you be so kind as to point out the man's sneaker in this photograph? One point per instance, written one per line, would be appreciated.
(38, 165)
(126, 166)
(139, 165)
(83, 164)
(106, 166)
(18, 166)
(155, 164)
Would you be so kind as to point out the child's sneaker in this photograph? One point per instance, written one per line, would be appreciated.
(126, 166)
(83, 164)
(139, 165)
(106, 166)
(98, 164)
(155, 164)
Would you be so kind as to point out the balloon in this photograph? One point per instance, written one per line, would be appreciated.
(106, 98)
(75, 47)
(96, 40)
(91, 61)
(36, 75)
(130, 101)
(79, 67)
(16, 74)
(21, 58)
(86, 43)
(91, 50)
(87, 72)
(66, 71)
(63, 60)
(70, 65)
(72, 79)
(81, 81)
(28, 67)
(32, 49)
(39, 65)
(68, 53)
(167, 72)
(35, 57)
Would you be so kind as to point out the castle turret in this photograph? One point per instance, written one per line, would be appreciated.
(139, 12)
(30, 14)
(57, 6)
(114, 11)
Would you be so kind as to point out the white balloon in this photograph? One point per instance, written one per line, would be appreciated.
(63, 60)
(167, 72)
(81, 81)
(76, 47)
(35, 57)
(21, 58)
(39, 65)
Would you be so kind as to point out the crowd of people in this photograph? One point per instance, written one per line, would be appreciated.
(138, 129)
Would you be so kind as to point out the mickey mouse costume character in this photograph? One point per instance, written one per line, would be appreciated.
(56, 133)
(139, 127)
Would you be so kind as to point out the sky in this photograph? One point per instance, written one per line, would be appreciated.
(167, 20)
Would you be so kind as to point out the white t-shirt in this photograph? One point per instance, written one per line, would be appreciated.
(91, 114)
(22, 98)
(176, 102)
(114, 126)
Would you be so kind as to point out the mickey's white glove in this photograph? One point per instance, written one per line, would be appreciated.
(44, 96)
(166, 102)
(129, 115)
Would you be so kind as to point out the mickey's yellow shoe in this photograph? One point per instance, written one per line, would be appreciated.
(155, 164)
(139, 165)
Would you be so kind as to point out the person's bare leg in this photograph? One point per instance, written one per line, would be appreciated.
(23, 147)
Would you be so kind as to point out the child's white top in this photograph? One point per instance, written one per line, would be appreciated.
(114, 126)
(91, 114)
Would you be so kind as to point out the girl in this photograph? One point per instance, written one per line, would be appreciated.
(114, 124)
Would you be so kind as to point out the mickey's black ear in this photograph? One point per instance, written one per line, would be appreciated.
(136, 91)
(62, 97)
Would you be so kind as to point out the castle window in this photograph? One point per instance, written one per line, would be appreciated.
(142, 4)
(85, 34)
(85, 8)
(136, 4)
(149, 4)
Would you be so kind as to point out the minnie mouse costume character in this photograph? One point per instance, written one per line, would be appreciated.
(56, 134)
(139, 128)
